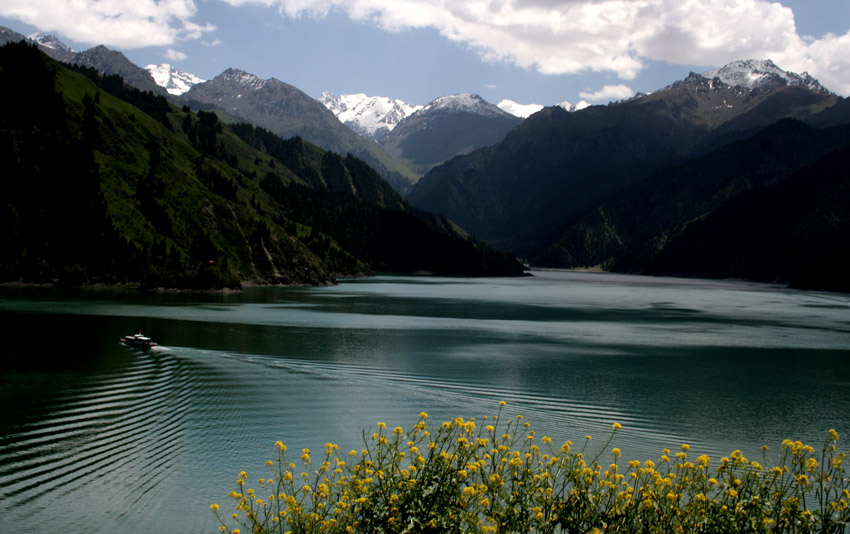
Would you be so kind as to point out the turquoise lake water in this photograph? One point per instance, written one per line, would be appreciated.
(96, 436)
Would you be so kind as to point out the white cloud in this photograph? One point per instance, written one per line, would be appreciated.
(572, 36)
(827, 59)
(174, 55)
(550, 36)
(119, 23)
(609, 92)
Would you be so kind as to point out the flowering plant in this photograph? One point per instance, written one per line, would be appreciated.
(497, 476)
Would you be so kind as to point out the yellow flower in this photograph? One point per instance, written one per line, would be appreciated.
(398, 430)
(214, 507)
(280, 445)
(616, 426)
(812, 465)
(382, 426)
(615, 452)
(423, 415)
(502, 403)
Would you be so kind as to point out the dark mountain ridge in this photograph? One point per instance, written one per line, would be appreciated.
(626, 219)
(100, 57)
(557, 164)
(795, 232)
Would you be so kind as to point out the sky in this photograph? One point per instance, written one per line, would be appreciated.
(530, 51)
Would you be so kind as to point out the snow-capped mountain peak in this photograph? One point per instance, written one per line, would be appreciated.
(371, 116)
(518, 110)
(526, 110)
(49, 41)
(761, 74)
(462, 102)
(176, 82)
(573, 107)
(240, 77)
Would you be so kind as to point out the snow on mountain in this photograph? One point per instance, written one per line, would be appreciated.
(49, 41)
(176, 82)
(240, 77)
(371, 116)
(519, 110)
(761, 74)
(573, 107)
(526, 110)
(463, 102)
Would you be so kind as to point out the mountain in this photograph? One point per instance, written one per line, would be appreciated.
(644, 214)
(795, 232)
(176, 82)
(109, 61)
(312, 121)
(53, 46)
(103, 183)
(287, 112)
(101, 58)
(8, 35)
(370, 116)
(557, 164)
(447, 127)
(762, 74)
(49, 44)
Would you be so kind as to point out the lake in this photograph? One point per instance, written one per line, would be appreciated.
(96, 436)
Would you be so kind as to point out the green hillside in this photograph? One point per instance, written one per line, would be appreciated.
(101, 183)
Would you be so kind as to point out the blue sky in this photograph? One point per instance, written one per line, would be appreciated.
(528, 51)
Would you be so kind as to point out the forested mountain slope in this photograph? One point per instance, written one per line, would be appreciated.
(102, 183)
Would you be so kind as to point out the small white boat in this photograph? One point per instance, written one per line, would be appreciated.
(138, 340)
